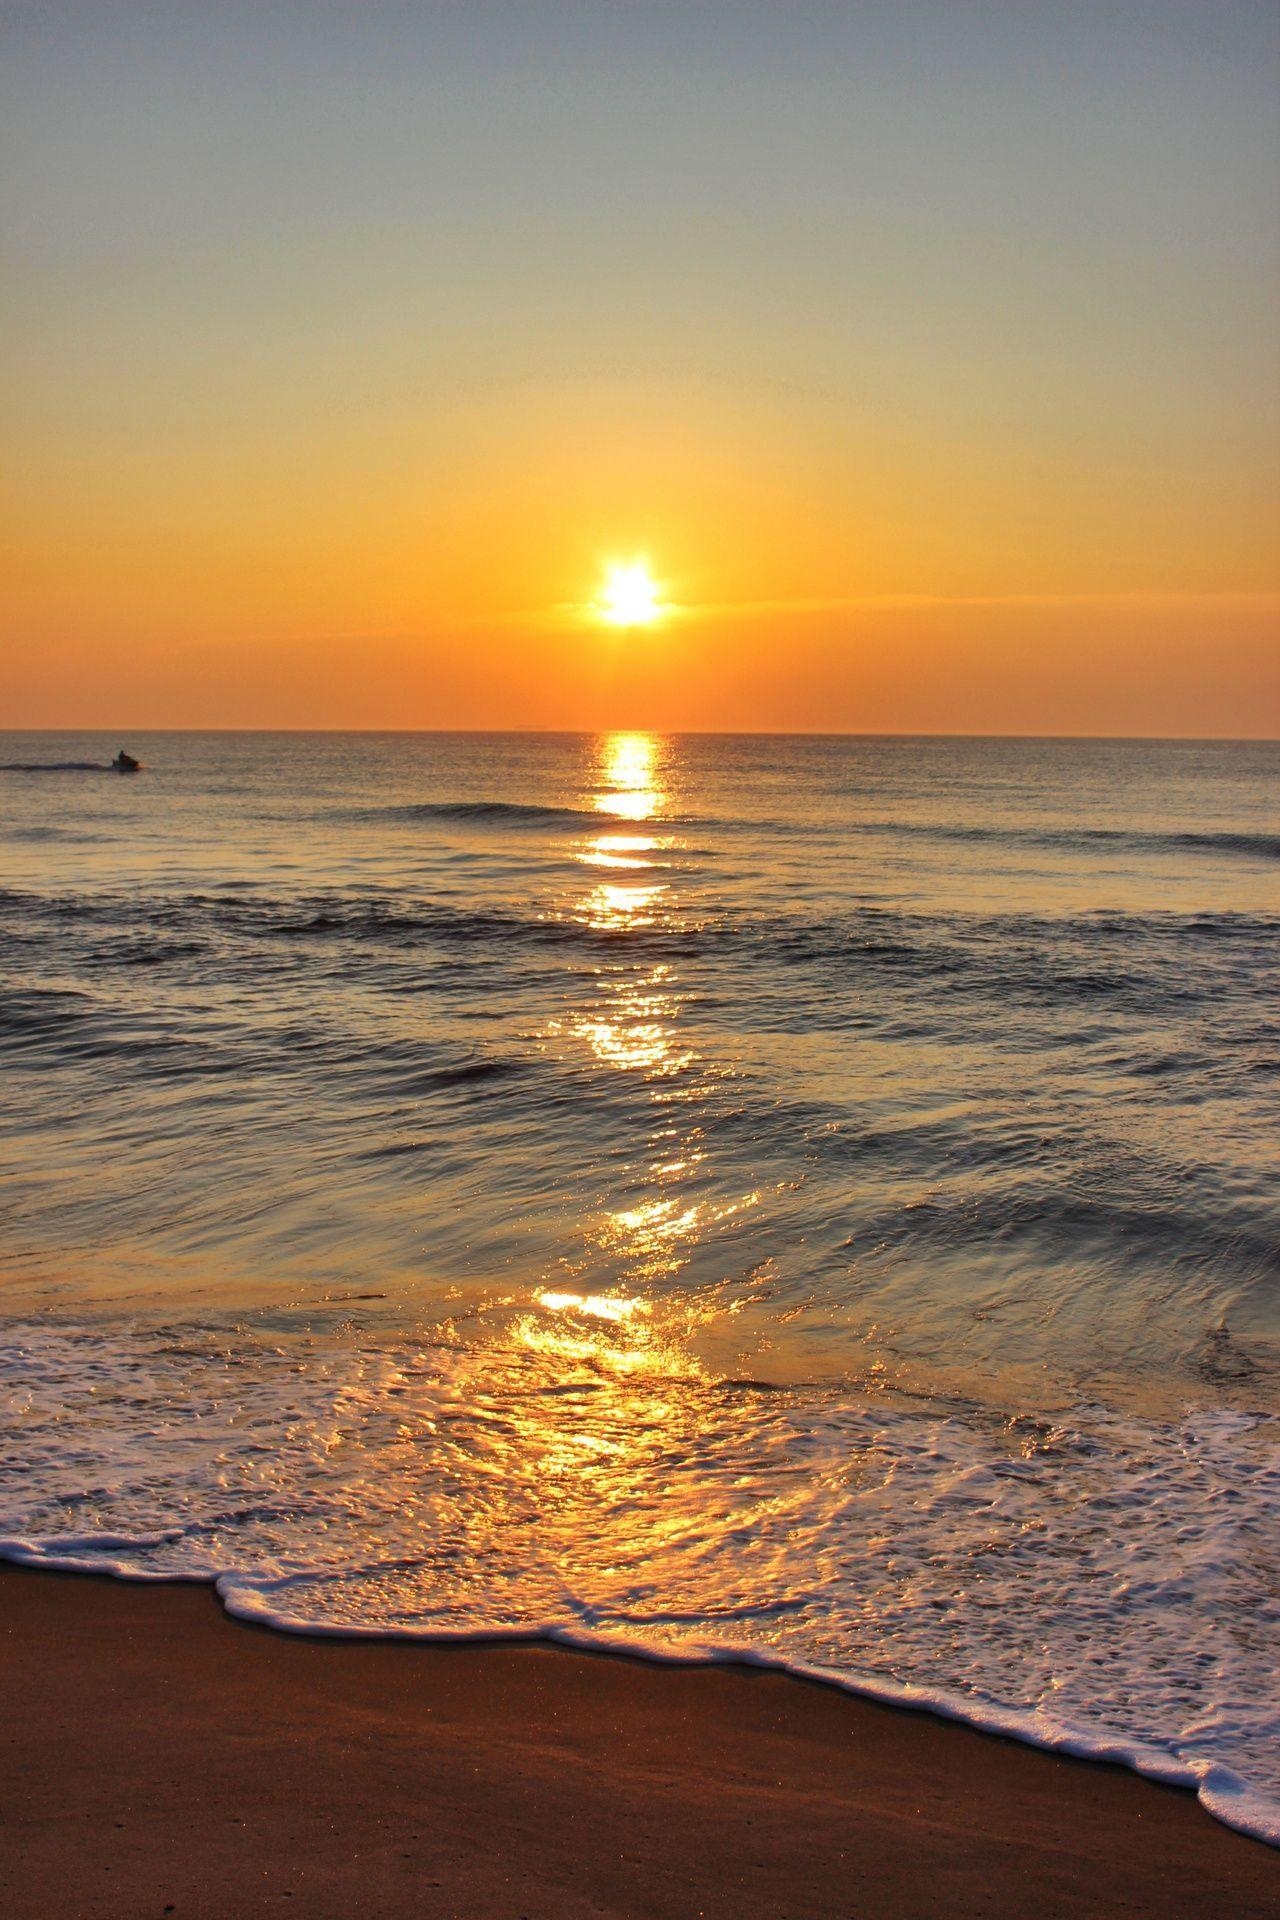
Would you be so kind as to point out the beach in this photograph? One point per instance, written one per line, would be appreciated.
(801, 1202)
(158, 1757)
(640, 961)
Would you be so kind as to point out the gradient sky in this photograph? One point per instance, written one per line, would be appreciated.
(928, 351)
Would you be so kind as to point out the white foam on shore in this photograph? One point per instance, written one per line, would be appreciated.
(1100, 1586)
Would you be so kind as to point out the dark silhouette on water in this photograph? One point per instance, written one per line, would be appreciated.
(125, 762)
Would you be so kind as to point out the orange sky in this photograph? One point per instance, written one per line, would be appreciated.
(933, 372)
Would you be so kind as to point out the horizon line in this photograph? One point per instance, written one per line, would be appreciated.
(687, 733)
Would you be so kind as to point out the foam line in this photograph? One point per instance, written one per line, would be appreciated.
(1224, 1795)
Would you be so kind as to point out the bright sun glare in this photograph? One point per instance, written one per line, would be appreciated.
(629, 597)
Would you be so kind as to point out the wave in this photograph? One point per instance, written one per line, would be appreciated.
(1150, 961)
(1256, 846)
(512, 813)
(1086, 1583)
(1225, 1794)
(1229, 842)
(56, 766)
(45, 833)
(1261, 845)
(479, 812)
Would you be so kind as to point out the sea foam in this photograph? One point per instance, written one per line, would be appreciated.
(1096, 1584)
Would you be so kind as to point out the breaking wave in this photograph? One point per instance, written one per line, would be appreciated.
(1090, 1583)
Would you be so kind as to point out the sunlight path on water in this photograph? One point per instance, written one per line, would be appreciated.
(799, 1199)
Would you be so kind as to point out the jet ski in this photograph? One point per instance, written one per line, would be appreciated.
(125, 763)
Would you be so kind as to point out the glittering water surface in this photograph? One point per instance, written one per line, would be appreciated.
(804, 1198)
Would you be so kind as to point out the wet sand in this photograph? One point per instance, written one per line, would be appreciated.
(158, 1758)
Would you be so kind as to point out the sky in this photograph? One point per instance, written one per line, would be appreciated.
(927, 351)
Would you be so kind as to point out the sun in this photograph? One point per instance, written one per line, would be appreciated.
(629, 597)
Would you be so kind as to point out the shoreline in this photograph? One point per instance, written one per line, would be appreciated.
(159, 1755)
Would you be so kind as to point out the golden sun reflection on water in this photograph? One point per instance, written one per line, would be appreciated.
(629, 782)
(601, 1306)
(611, 908)
(618, 850)
(614, 1335)
(628, 785)
(632, 1026)
(616, 1306)
(654, 1240)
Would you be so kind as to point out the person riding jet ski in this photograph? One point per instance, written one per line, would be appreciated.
(125, 762)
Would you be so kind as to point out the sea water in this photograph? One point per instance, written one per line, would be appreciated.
(809, 1201)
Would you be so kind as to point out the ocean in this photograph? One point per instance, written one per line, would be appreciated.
(809, 1201)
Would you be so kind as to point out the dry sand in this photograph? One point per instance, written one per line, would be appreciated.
(159, 1759)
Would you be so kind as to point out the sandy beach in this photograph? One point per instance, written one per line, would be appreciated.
(159, 1758)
